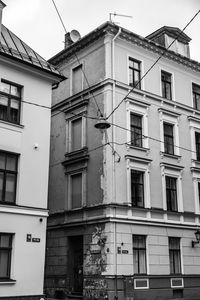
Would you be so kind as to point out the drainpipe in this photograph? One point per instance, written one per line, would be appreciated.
(114, 174)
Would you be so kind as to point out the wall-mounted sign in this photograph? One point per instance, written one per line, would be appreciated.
(124, 251)
(35, 240)
(28, 237)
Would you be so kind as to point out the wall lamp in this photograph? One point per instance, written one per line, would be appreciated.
(197, 235)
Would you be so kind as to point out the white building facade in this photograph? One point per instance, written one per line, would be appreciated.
(25, 104)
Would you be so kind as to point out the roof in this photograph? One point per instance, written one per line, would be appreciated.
(12, 46)
(174, 32)
(129, 36)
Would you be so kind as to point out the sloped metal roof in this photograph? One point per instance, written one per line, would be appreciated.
(13, 46)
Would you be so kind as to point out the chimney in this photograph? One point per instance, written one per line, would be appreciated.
(68, 40)
(2, 5)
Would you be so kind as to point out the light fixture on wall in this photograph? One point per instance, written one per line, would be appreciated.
(197, 235)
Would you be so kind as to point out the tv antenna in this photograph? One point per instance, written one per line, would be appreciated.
(117, 15)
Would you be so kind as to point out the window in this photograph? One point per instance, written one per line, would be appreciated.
(10, 102)
(174, 255)
(76, 190)
(134, 73)
(171, 193)
(168, 138)
(199, 194)
(197, 142)
(77, 79)
(196, 96)
(136, 130)
(139, 254)
(76, 134)
(137, 188)
(166, 81)
(8, 177)
(5, 255)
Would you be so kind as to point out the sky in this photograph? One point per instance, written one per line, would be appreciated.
(36, 21)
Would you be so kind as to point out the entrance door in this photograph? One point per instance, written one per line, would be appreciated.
(76, 263)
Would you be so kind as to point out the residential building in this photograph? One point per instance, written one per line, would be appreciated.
(25, 108)
(124, 201)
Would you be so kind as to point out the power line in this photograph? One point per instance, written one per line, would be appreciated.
(145, 74)
(78, 60)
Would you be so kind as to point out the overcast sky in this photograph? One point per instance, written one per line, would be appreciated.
(37, 24)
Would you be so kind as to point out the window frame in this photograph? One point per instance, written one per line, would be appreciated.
(168, 137)
(5, 172)
(73, 90)
(141, 165)
(137, 184)
(133, 71)
(169, 192)
(10, 97)
(9, 250)
(172, 253)
(138, 250)
(197, 145)
(176, 172)
(134, 128)
(166, 83)
(195, 95)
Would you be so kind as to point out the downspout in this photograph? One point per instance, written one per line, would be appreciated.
(114, 174)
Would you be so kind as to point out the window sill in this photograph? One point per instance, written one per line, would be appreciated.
(174, 156)
(138, 148)
(7, 281)
(11, 124)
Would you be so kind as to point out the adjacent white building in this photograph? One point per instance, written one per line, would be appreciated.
(25, 107)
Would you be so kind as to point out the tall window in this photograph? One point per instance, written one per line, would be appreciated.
(196, 96)
(76, 190)
(77, 79)
(5, 255)
(134, 73)
(168, 138)
(137, 188)
(199, 193)
(136, 130)
(8, 177)
(171, 193)
(166, 80)
(197, 141)
(10, 102)
(174, 255)
(76, 134)
(139, 254)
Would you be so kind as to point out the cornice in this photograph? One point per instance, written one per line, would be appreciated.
(112, 29)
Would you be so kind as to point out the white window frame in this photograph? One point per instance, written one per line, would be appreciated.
(177, 286)
(196, 181)
(164, 69)
(141, 279)
(142, 165)
(141, 109)
(194, 125)
(176, 172)
(173, 119)
(83, 202)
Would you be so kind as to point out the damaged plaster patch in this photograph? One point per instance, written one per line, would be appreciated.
(95, 261)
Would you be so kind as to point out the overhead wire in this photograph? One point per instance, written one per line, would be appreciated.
(152, 66)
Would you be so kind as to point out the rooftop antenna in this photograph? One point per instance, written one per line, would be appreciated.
(117, 15)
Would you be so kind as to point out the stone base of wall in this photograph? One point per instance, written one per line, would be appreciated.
(35, 297)
(124, 288)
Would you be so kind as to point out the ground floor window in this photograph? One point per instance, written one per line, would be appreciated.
(139, 254)
(174, 255)
(5, 255)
